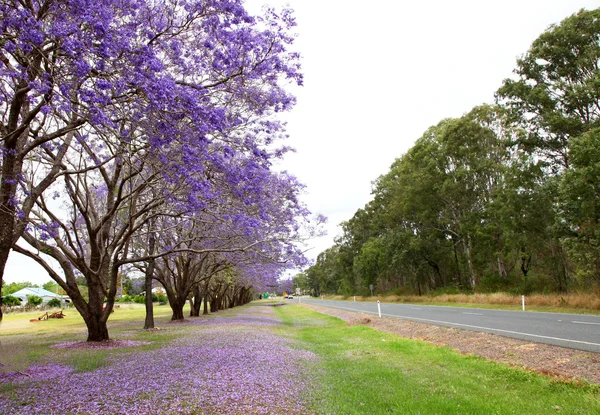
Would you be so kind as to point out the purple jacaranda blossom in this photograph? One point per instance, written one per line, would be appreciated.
(166, 113)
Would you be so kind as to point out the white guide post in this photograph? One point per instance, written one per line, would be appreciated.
(379, 308)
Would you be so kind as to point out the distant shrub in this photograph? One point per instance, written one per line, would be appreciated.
(140, 299)
(156, 298)
(445, 291)
(11, 301)
(34, 300)
(492, 284)
(124, 299)
(55, 302)
(160, 298)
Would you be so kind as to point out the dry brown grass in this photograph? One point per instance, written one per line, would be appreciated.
(576, 301)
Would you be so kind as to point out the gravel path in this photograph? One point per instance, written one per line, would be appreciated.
(562, 363)
(227, 365)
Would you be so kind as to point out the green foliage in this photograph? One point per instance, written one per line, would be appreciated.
(156, 298)
(11, 301)
(125, 299)
(13, 287)
(580, 202)
(446, 291)
(139, 299)
(34, 300)
(557, 92)
(301, 281)
(55, 302)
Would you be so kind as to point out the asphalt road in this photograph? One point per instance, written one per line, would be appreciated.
(575, 331)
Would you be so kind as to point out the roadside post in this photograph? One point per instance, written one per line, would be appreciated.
(523, 302)
(379, 308)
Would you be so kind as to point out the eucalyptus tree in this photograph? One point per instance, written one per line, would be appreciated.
(555, 98)
(580, 206)
(428, 224)
(556, 91)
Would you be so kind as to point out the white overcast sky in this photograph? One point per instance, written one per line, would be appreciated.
(378, 73)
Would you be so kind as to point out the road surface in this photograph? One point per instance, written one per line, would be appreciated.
(575, 331)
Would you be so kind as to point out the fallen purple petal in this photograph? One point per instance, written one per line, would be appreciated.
(226, 365)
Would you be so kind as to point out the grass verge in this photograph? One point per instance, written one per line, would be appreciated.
(361, 371)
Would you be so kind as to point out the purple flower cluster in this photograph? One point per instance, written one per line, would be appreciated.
(233, 365)
(162, 119)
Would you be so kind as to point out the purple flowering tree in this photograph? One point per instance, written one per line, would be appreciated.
(132, 113)
(240, 233)
(53, 56)
(186, 69)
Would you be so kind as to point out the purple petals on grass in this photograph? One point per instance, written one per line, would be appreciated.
(233, 365)
(107, 345)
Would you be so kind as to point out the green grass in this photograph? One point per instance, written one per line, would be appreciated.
(358, 370)
(364, 371)
(24, 343)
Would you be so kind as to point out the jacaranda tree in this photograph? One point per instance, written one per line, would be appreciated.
(136, 106)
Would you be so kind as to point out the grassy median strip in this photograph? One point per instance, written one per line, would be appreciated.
(361, 371)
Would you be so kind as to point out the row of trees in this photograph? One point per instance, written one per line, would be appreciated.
(506, 197)
(139, 135)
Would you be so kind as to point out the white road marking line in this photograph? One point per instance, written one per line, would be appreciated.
(475, 327)
(585, 322)
(473, 314)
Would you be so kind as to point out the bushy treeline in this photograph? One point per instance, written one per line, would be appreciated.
(505, 198)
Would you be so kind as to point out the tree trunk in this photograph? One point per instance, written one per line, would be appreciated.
(214, 304)
(8, 188)
(472, 278)
(204, 300)
(196, 303)
(97, 329)
(525, 262)
(457, 262)
(193, 306)
(177, 308)
(149, 322)
(94, 315)
(502, 268)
